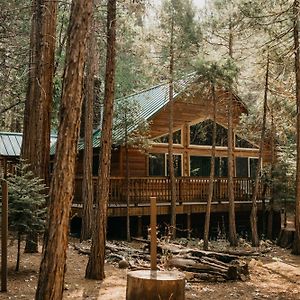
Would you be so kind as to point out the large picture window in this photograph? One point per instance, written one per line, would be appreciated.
(200, 166)
(158, 164)
(201, 134)
(246, 166)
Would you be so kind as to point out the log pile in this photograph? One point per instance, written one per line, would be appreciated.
(196, 263)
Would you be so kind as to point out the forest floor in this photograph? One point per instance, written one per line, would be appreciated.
(275, 275)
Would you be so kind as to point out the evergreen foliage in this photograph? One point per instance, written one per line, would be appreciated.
(26, 201)
(26, 205)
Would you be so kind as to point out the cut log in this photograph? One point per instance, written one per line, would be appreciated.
(155, 285)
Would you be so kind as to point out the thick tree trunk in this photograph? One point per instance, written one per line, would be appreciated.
(87, 181)
(253, 218)
(296, 246)
(95, 266)
(37, 121)
(212, 174)
(170, 146)
(52, 270)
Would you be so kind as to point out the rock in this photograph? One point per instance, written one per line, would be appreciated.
(123, 264)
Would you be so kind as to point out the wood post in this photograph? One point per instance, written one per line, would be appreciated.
(140, 227)
(153, 249)
(4, 236)
(188, 221)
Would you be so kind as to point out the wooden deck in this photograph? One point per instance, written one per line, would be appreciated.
(192, 193)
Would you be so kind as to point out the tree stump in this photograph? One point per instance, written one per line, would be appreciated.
(286, 238)
(155, 285)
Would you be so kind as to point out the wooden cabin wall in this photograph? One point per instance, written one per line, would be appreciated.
(138, 163)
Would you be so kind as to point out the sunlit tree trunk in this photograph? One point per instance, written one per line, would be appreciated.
(95, 266)
(170, 145)
(37, 121)
(271, 203)
(212, 173)
(87, 180)
(53, 265)
(296, 10)
(253, 218)
(232, 224)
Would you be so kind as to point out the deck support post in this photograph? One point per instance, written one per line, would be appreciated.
(140, 226)
(188, 225)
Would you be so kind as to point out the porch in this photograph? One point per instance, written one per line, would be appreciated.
(192, 193)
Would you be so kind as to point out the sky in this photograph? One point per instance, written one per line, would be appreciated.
(199, 3)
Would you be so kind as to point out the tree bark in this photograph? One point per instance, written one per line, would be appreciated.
(296, 10)
(271, 203)
(170, 145)
(37, 121)
(95, 266)
(127, 179)
(212, 173)
(18, 253)
(87, 180)
(53, 265)
(253, 218)
(232, 224)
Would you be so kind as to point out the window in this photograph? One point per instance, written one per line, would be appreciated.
(158, 165)
(165, 138)
(246, 166)
(241, 167)
(253, 162)
(177, 165)
(241, 143)
(200, 166)
(201, 134)
(221, 166)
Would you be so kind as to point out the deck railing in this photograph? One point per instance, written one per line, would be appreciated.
(189, 189)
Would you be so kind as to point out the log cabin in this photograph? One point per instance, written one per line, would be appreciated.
(147, 169)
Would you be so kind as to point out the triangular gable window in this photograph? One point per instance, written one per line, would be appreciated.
(165, 138)
(201, 134)
(242, 143)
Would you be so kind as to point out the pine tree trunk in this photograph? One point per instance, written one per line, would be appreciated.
(95, 266)
(53, 265)
(212, 174)
(170, 145)
(232, 224)
(127, 180)
(296, 10)
(253, 217)
(37, 121)
(87, 180)
(18, 253)
(271, 203)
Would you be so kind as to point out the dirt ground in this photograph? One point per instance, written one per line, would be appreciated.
(275, 275)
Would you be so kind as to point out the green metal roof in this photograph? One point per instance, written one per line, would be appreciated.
(11, 142)
(150, 101)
